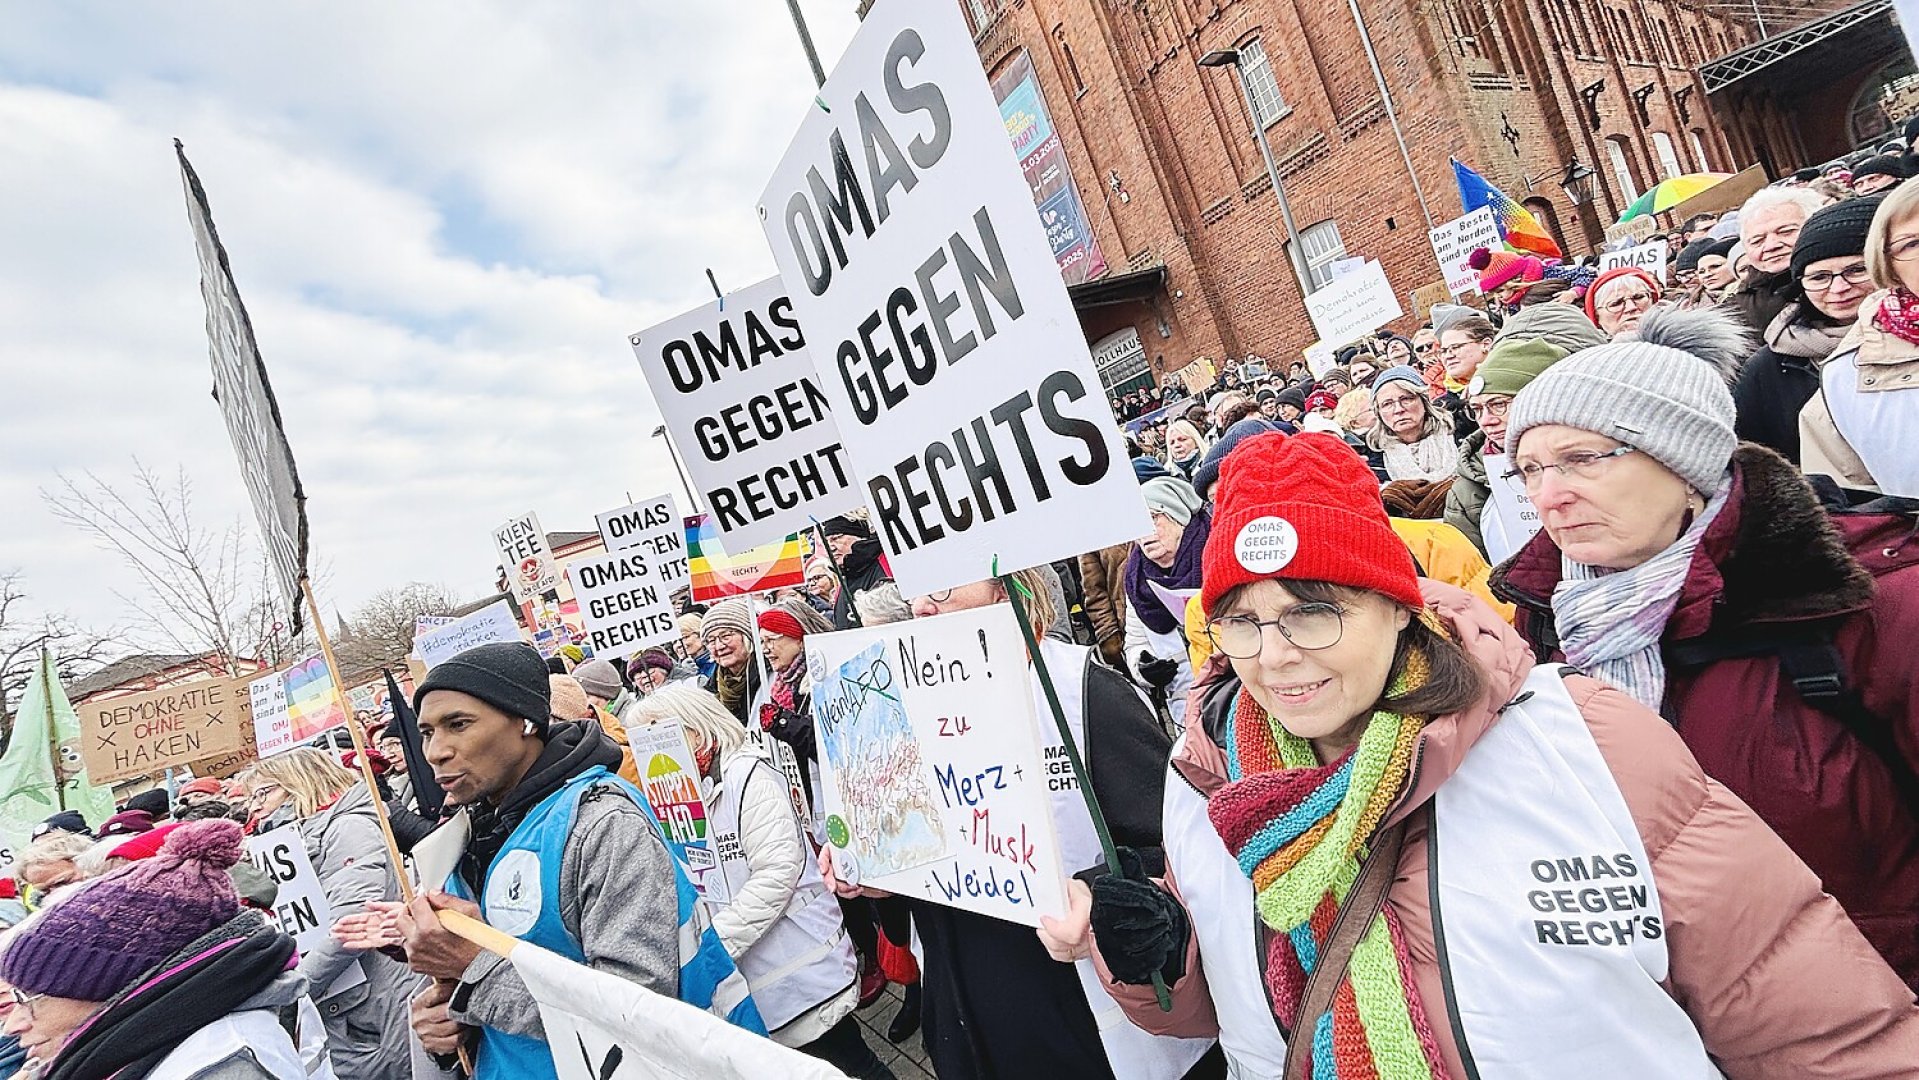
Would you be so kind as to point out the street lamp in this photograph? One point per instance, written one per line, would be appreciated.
(1578, 182)
(1220, 58)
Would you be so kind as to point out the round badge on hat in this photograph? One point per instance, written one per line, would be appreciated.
(1266, 545)
(1477, 386)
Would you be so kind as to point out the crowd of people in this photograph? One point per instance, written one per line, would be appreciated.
(1605, 591)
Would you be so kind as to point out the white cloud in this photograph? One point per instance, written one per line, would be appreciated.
(444, 219)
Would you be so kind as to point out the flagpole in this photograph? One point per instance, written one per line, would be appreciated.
(53, 732)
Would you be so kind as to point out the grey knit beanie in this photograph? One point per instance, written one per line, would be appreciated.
(1173, 497)
(1667, 404)
(734, 613)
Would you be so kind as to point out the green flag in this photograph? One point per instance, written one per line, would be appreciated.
(41, 773)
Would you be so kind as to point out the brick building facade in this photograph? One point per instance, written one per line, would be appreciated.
(1170, 176)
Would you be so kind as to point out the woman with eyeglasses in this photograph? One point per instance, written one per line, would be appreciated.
(1397, 848)
(1704, 577)
(1414, 436)
(1619, 298)
(1863, 425)
(1496, 526)
(1829, 270)
(308, 790)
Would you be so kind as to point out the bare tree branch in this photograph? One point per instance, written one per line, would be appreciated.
(76, 651)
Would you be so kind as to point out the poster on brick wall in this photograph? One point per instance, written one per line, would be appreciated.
(1022, 105)
(959, 374)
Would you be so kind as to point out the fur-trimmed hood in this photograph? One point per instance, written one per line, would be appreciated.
(1773, 555)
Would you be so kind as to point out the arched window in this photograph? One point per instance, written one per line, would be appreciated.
(1542, 209)
(1698, 140)
(1622, 167)
(1667, 153)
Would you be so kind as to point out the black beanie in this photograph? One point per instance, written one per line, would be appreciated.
(1689, 256)
(1834, 231)
(1881, 165)
(841, 525)
(1293, 396)
(510, 676)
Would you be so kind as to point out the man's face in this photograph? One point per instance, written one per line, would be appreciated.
(841, 545)
(477, 751)
(1769, 234)
(1269, 408)
(1874, 183)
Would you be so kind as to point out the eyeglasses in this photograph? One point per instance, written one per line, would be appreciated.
(1580, 464)
(1454, 350)
(1620, 303)
(1904, 249)
(1823, 280)
(1491, 407)
(24, 1002)
(1308, 626)
(261, 791)
(1402, 403)
(941, 596)
(1424, 348)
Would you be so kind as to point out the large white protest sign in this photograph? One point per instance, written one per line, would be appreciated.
(957, 369)
(301, 905)
(1454, 242)
(1509, 519)
(1353, 306)
(934, 779)
(1648, 257)
(602, 1027)
(492, 623)
(626, 597)
(526, 558)
(742, 402)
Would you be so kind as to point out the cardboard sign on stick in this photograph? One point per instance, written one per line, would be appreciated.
(931, 763)
(492, 623)
(1353, 306)
(626, 597)
(524, 554)
(1454, 242)
(742, 403)
(957, 369)
(146, 734)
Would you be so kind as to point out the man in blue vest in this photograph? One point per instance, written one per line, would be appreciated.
(558, 852)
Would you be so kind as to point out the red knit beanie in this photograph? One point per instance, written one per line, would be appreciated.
(775, 621)
(1617, 272)
(1303, 507)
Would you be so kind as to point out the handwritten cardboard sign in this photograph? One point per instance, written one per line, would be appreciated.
(1353, 306)
(930, 759)
(146, 734)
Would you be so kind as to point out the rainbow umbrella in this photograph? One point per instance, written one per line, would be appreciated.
(1667, 194)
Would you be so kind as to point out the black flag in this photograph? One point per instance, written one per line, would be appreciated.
(246, 400)
(418, 772)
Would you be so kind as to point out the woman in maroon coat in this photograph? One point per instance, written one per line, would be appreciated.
(1705, 578)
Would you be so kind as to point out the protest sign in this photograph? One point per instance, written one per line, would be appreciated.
(1648, 257)
(1509, 519)
(1353, 306)
(958, 372)
(1320, 358)
(1427, 297)
(1639, 228)
(301, 905)
(1198, 376)
(742, 401)
(1454, 242)
(293, 706)
(526, 558)
(425, 623)
(604, 1027)
(717, 575)
(934, 782)
(247, 404)
(627, 597)
(670, 780)
(491, 623)
(146, 734)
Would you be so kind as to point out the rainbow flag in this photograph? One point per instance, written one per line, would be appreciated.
(717, 575)
(1517, 226)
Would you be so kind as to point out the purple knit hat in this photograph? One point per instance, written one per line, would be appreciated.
(94, 942)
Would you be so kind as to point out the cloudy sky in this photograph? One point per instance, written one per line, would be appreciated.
(444, 218)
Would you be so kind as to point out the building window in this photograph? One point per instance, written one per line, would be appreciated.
(1268, 105)
(1621, 167)
(1323, 248)
(1066, 54)
(1699, 150)
(1668, 154)
(982, 12)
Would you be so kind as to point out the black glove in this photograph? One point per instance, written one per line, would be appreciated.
(1140, 929)
(1158, 671)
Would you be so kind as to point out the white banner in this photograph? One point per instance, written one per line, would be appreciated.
(492, 623)
(626, 597)
(930, 757)
(526, 558)
(1353, 306)
(742, 402)
(1509, 519)
(301, 906)
(1648, 257)
(956, 366)
(1454, 242)
(602, 1027)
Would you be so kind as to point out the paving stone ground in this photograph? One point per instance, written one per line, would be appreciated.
(908, 1059)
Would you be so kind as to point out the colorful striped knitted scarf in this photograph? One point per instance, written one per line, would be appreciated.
(1300, 830)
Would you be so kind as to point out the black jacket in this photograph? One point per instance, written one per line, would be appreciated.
(1782, 376)
(996, 1006)
(1760, 300)
(862, 569)
(572, 747)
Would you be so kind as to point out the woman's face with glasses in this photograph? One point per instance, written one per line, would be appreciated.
(44, 1022)
(1317, 668)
